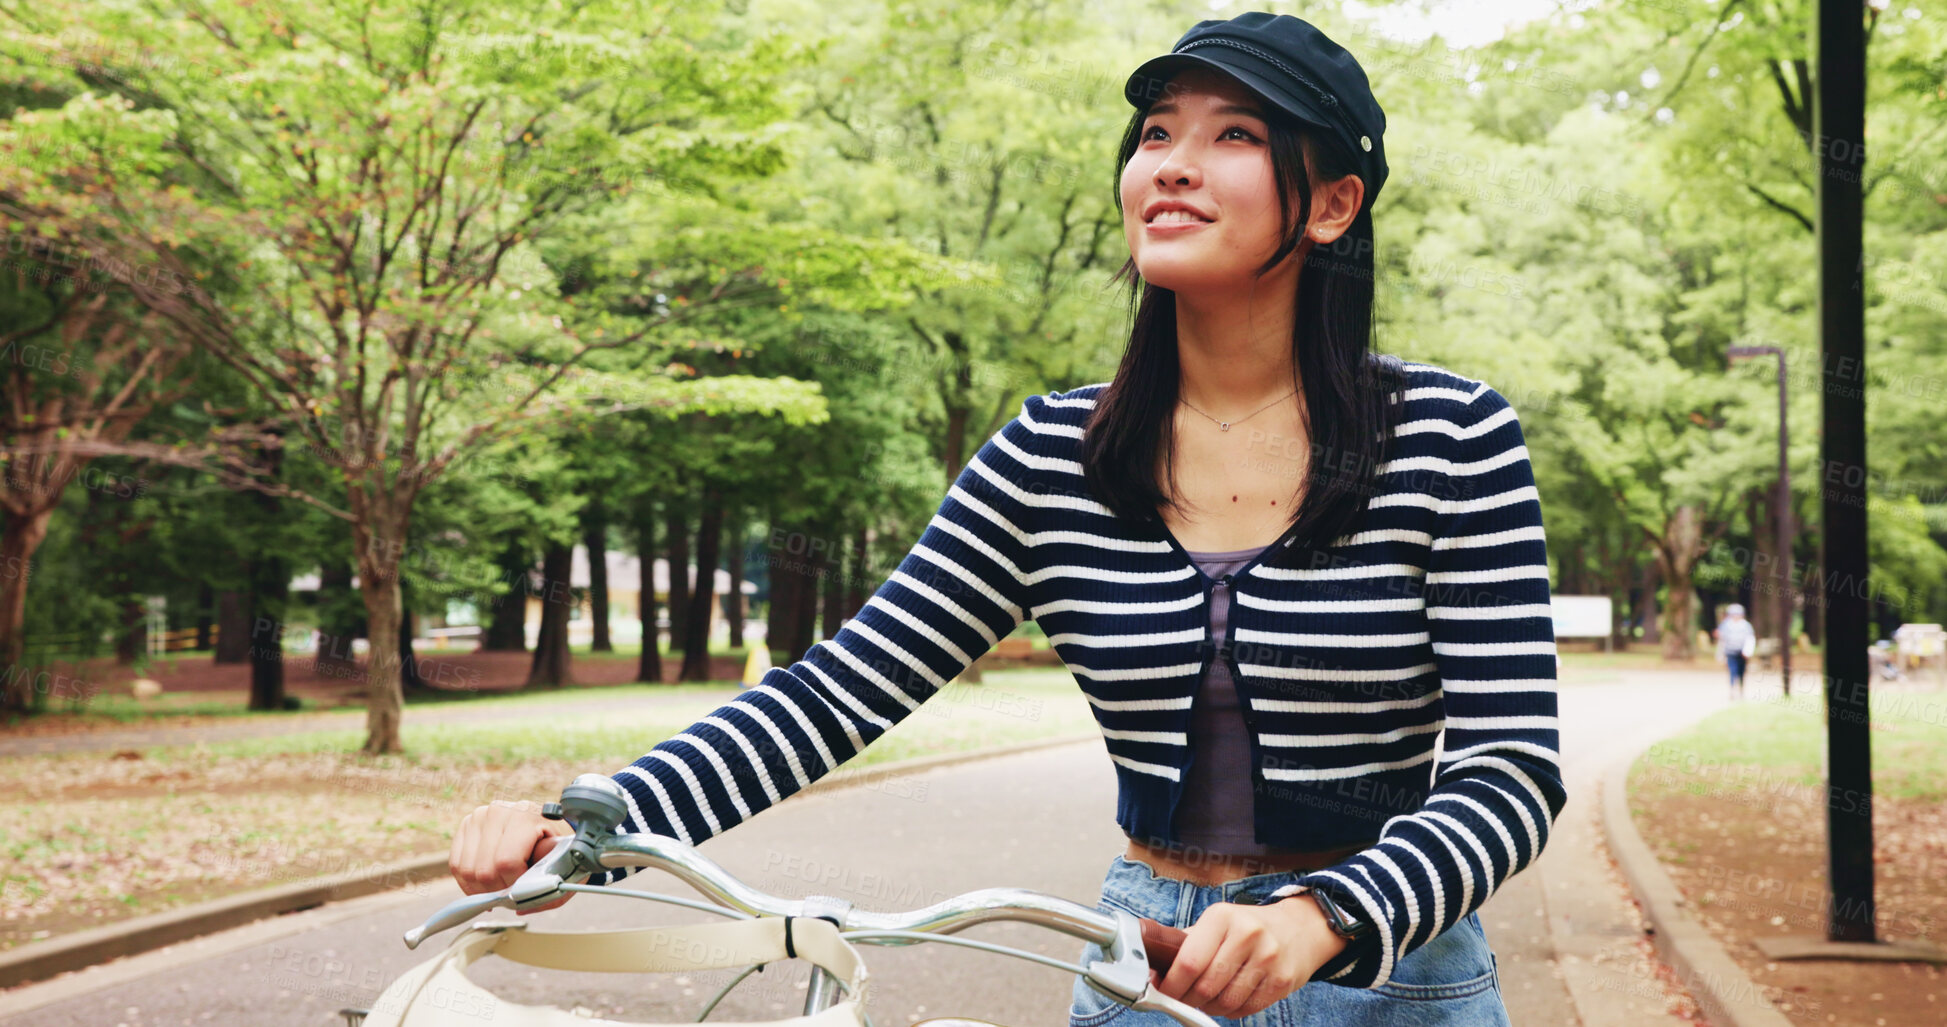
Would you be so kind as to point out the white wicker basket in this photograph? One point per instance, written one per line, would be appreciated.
(437, 993)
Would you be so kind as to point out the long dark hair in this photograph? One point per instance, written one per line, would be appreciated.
(1349, 407)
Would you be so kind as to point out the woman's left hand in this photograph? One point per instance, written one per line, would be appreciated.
(1237, 960)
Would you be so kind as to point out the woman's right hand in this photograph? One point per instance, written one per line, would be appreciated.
(496, 843)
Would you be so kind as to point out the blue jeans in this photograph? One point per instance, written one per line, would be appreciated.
(1736, 663)
(1448, 982)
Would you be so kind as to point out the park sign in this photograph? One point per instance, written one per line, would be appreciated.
(1582, 617)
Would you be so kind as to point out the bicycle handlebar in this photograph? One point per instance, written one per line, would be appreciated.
(594, 804)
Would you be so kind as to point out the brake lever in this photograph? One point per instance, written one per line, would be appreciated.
(1142, 945)
(455, 914)
(1154, 1001)
(593, 805)
(537, 886)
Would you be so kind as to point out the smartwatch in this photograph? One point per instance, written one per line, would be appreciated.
(1344, 923)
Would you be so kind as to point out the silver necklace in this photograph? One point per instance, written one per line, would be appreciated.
(1225, 425)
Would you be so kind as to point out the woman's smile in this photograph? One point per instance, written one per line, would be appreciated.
(1174, 224)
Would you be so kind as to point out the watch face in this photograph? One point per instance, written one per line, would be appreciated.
(1344, 922)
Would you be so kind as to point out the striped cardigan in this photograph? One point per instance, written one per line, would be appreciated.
(1398, 686)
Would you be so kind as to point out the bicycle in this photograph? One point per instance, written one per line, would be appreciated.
(820, 929)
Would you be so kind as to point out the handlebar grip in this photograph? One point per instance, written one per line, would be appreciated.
(1161, 943)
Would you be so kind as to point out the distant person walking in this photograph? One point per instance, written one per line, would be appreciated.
(1736, 641)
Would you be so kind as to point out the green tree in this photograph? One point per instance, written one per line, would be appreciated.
(381, 184)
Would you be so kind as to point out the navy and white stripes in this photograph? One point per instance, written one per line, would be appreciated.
(1425, 630)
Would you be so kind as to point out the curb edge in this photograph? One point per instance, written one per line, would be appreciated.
(96, 945)
(1726, 994)
(43, 961)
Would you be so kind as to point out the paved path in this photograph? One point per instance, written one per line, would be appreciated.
(1562, 930)
(350, 720)
(1568, 921)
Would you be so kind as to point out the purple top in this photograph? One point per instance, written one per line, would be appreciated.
(1215, 814)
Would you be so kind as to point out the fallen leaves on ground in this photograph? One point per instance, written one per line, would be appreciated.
(106, 838)
(1752, 865)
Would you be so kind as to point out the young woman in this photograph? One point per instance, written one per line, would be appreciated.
(1304, 589)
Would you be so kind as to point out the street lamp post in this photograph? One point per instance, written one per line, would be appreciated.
(1782, 515)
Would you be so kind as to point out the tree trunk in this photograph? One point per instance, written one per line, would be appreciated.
(1781, 577)
(232, 627)
(676, 541)
(550, 665)
(856, 592)
(337, 624)
(205, 599)
(1652, 612)
(1814, 599)
(804, 611)
(734, 554)
(953, 452)
(379, 530)
(132, 642)
(1794, 570)
(133, 639)
(1882, 616)
(709, 544)
(19, 537)
(1761, 610)
(410, 680)
(832, 600)
(384, 694)
(1678, 553)
(269, 587)
(649, 666)
(506, 627)
(1618, 571)
(782, 602)
(595, 539)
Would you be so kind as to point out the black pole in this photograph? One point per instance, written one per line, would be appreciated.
(1838, 124)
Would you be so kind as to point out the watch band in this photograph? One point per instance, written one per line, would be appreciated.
(1265, 892)
(1344, 924)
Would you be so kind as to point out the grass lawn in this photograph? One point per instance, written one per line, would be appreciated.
(114, 706)
(89, 838)
(1736, 810)
(126, 709)
(1782, 740)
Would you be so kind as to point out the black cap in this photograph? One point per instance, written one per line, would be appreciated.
(1292, 65)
